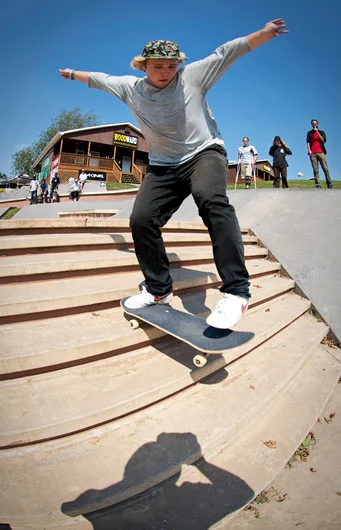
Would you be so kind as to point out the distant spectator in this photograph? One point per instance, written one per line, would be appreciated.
(54, 185)
(82, 179)
(316, 138)
(247, 157)
(279, 150)
(75, 190)
(34, 190)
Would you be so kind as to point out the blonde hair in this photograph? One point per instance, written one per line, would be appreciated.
(139, 62)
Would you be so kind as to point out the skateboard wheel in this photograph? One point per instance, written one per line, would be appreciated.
(134, 324)
(200, 360)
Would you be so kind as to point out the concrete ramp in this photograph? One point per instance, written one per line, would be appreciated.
(302, 229)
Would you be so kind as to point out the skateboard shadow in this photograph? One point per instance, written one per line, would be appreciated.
(199, 501)
(208, 375)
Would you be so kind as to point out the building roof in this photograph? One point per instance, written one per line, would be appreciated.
(60, 134)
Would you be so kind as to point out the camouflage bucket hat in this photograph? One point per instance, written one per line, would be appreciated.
(162, 49)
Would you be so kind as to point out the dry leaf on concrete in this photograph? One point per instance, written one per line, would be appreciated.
(272, 444)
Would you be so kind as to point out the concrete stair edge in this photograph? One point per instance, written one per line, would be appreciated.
(68, 262)
(207, 393)
(56, 302)
(26, 224)
(24, 360)
(41, 241)
(84, 381)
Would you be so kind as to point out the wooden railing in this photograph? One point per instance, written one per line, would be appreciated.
(86, 161)
(117, 171)
(142, 168)
(137, 173)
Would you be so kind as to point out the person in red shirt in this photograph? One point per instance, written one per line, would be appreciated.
(316, 138)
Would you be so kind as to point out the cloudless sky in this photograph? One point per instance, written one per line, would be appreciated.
(276, 89)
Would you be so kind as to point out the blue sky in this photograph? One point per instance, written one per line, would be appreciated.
(276, 89)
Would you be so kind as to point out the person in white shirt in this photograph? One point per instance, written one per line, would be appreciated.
(34, 190)
(247, 157)
(82, 179)
(75, 190)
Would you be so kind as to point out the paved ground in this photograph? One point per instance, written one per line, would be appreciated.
(307, 496)
(3, 210)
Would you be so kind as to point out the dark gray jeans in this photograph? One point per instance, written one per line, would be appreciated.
(278, 172)
(161, 194)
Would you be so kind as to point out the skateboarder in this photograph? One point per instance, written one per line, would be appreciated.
(187, 156)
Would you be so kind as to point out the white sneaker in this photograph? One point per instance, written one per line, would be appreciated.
(145, 299)
(228, 312)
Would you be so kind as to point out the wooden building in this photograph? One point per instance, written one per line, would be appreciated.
(115, 153)
(264, 172)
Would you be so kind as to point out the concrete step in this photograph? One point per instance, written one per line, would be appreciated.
(72, 262)
(86, 225)
(57, 295)
(137, 379)
(52, 343)
(18, 245)
(210, 492)
(121, 459)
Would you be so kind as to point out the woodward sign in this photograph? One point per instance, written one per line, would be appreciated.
(94, 175)
(123, 139)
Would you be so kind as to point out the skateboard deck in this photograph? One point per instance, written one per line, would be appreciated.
(188, 328)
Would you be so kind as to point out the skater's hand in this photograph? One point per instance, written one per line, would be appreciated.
(275, 27)
(271, 30)
(65, 73)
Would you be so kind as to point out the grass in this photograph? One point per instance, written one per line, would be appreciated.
(114, 186)
(9, 213)
(297, 184)
(303, 451)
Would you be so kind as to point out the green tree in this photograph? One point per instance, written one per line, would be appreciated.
(23, 159)
(3, 175)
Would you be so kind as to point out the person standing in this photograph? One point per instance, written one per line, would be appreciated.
(82, 179)
(316, 138)
(54, 185)
(279, 150)
(34, 190)
(247, 158)
(186, 156)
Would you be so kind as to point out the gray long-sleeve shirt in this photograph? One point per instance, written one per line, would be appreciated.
(176, 121)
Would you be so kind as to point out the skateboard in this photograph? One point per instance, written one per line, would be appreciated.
(188, 328)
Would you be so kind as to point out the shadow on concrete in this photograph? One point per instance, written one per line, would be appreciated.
(174, 503)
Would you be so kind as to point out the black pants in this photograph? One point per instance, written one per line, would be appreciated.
(278, 171)
(161, 194)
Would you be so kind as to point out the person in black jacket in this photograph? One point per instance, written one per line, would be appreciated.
(317, 152)
(279, 150)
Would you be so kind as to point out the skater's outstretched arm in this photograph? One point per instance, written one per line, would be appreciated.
(270, 31)
(77, 75)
